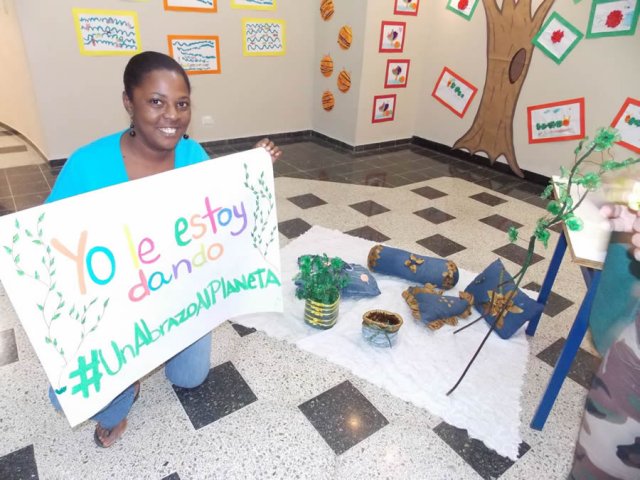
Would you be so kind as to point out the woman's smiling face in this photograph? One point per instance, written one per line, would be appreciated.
(160, 109)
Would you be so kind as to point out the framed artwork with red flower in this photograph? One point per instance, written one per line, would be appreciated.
(557, 38)
(392, 36)
(406, 7)
(464, 8)
(627, 122)
(612, 18)
(384, 108)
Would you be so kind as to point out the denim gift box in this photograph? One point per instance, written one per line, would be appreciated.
(519, 310)
(361, 283)
(429, 305)
(415, 268)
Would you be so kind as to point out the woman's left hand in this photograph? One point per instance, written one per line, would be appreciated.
(271, 148)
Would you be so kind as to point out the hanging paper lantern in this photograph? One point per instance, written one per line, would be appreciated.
(344, 81)
(345, 36)
(328, 101)
(326, 66)
(326, 9)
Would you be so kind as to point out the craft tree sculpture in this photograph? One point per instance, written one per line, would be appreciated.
(510, 30)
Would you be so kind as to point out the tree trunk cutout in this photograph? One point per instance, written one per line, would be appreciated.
(510, 30)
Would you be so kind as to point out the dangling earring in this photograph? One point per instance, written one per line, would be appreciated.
(132, 132)
(185, 136)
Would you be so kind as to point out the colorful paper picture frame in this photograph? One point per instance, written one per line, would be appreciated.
(627, 121)
(454, 92)
(557, 38)
(107, 39)
(397, 73)
(555, 121)
(612, 18)
(198, 54)
(271, 42)
(464, 8)
(392, 35)
(254, 4)
(199, 6)
(384, 108)
(406, 7)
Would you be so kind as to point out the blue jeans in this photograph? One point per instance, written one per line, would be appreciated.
(188, 369)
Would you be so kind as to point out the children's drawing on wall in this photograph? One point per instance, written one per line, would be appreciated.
(613, 17)
(326, 9)
(200, 6)
(262, 37)
(510, 32)
(397, 73)
(198, 54)
(406, 7)
(557, 38)
(556, 121)
(392, 36)
(384, 108)
(464, 8)
(254, 4)
(345, 37)
(107, 32)
(454, 92)
(627, 122)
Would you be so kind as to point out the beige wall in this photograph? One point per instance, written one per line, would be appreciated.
(79, 96)
(374, 68)
(339, 123)
(17, 102)
(605, 71)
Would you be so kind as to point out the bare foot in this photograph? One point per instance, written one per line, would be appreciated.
(105, 438)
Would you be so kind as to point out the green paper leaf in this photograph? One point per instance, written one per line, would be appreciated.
(513, 234)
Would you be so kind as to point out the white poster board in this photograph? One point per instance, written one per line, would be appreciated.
(110, 284)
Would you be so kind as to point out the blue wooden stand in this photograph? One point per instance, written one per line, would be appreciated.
(576, 334)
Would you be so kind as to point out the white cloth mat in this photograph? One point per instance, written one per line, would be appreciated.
(423, 365)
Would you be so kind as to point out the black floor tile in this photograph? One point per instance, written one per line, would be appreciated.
(516, 254)
(22, 170)
(488, 199)
(293, 228)
(369, 208)
(440, 245)
(19, 465)
(537, 201)
(555, 303)
(242, 330)
(428, 192)
(488, 463)
(343, 416)
(583, 367)
(368, 233)
(8, 348)
(173, 476)
(500, 222)
(222, 393)
(308, 200)
(556, 228)
(434, 215)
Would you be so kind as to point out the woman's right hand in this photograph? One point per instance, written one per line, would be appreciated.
(623, 219)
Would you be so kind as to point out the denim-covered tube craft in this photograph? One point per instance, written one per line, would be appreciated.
(415, 268)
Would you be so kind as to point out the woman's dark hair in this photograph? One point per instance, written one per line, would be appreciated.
(147, 62)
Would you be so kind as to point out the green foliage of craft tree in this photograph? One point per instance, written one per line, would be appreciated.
(320, 278)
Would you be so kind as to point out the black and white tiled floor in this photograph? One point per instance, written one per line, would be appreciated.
(269, 410)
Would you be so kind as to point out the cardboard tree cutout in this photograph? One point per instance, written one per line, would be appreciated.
(510, 29)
